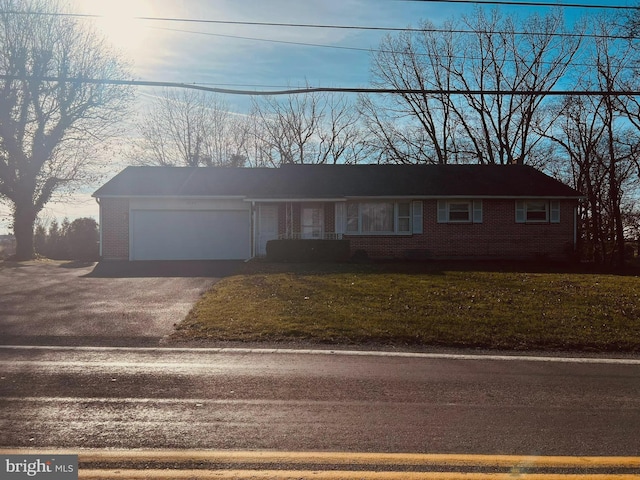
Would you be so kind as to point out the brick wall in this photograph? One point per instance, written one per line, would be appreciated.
(114, 215)
(498, 236)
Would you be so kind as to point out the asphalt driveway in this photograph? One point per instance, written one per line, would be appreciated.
(110, 304)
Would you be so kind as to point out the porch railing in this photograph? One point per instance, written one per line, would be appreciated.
(301, 236)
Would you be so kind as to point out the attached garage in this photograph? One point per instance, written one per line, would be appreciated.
(190, 234)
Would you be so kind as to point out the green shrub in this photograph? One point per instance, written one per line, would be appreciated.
(301, 251)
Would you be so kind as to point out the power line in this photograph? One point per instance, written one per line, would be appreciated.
(353, 27)
(328, 26)
(268, 40)
(356, 49)
(220, 22)
(417, 30)
(297, 91)
(319, 26)
(528, 4)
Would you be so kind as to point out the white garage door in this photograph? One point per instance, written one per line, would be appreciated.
(190, 235)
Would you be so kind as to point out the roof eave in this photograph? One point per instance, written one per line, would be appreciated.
(295, 199)
(349, 197)
(190, 197)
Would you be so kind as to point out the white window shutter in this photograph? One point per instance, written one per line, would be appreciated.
(555, 212)
(477, 211)
(521, 214)
(416, 221)
(443, 216)
(341, 220)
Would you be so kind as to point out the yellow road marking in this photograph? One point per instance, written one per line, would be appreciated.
(327, 475)
(517, 465)
(336, 458)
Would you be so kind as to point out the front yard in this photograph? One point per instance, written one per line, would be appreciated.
(430, 304)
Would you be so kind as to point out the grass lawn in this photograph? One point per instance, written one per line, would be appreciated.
(426, 304)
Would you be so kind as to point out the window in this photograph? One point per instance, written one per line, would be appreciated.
(352, 218)
(404, 217)
(378, 217)
(312, 221)
(459, 211)
(537, 211)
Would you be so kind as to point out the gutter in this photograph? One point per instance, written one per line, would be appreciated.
(253, 230)
(575, 229)
(349, 197)
(99, 226)
(297, 199)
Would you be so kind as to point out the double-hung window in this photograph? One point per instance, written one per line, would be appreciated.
(537, 211)
(459, 211)
(378, 217)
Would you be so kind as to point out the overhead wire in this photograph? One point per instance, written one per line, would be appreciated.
(426, 29)
(296, 91)
(266, 40)
(342, 47)
(528, 4)
(307, 25)
(348, 27)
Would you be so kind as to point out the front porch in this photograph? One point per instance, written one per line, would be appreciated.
(295, 220)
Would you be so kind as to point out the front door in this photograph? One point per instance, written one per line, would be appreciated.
(267, 227)
(312, 221)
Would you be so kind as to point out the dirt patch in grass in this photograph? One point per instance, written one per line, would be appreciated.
(502, 307)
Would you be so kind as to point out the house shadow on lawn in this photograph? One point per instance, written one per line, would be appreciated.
(225, 268)
(77, 264)
(174, 268)
(438, 267)
(507, 266)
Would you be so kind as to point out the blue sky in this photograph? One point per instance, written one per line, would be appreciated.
(209, 53)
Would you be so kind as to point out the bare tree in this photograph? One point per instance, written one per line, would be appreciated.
(597, 135)
(314, 128)
(190, 128)
(612, 60)
(49, 129)
(498, 56)
(414, 127)
(580, 135)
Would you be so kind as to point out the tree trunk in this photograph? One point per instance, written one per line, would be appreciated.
(23, 222)
(614, 187)
(619, 234)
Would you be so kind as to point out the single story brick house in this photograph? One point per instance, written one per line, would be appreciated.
(388, 211)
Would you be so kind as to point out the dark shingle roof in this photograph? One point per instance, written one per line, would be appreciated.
(330, 181)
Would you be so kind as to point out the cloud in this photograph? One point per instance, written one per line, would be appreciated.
(195, 52)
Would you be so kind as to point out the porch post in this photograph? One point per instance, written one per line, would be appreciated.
(289, 214)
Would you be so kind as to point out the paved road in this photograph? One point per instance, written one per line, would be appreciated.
(204, 399)
(124, 303)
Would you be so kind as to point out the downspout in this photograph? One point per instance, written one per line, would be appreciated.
(253, 229)
(575, 229)
(99, 228)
